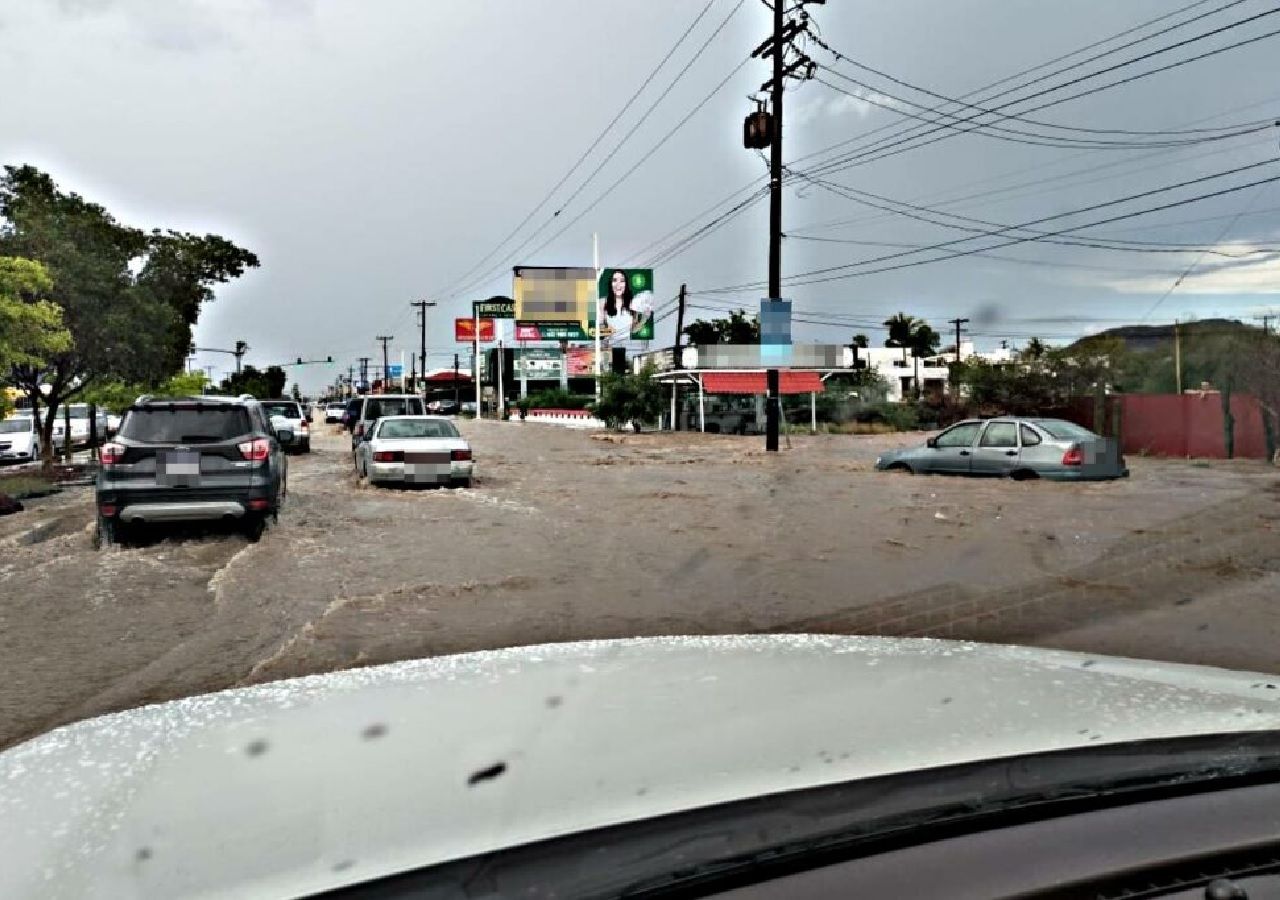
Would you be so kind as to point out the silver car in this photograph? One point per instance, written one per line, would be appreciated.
(1017, 448)
(415, 450)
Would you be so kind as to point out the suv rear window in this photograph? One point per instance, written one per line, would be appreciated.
(185, 424)
(288, 409)
(381, 407)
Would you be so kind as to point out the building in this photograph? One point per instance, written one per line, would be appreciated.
(934, 372)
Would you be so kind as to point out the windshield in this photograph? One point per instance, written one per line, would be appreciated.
(1066, 431)
(185, 424)
(15, 426)
(677, 353)
(287, 410)
(416, 428)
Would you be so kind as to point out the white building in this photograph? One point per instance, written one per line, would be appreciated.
(934, 372)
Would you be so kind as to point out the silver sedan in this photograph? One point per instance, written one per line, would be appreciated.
(414, 450)
(1018, 448)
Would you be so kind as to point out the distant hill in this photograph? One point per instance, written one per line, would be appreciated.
(1144, 338)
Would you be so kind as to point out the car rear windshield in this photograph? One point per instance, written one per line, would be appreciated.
(393, 406)
(417, 428)
(287, 409)
(1066, 431)
(185, 424)
(15, 426)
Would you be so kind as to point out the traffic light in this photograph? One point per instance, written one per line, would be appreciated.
(299, 360)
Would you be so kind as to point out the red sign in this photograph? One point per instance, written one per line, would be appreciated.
(528, 333)
(464, 330)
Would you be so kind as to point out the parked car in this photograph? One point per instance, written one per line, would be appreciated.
(443, 407)
(377, 406)
(415, 450)
(191, 458)
(1015, 447)
(333, 412)
(79, 413)
(288, 414)
(19, 441)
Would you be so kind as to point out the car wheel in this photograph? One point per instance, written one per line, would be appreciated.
(108, 533)
(713, 428)
(1024, 475)
(252, 526)
(461, 482)
(901, 469)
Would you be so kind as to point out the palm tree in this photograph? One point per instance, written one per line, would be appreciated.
(1035, 349)
(860, 340)
(900, 327)
(923, 341)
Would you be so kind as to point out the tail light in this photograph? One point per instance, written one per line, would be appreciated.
(257, 504)
(1073, 457)
(389, 456)
(111, 454)
(255, 450)
(457, 455)
(107, 510)
(304, 424)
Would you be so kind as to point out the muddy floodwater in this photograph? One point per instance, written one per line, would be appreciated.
(571, 534)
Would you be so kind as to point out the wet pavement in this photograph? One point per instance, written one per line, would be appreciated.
(570, 535)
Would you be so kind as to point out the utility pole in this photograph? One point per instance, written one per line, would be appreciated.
(1266, 322)
(421, 306)
(675, 360)
(239, 352)
(364, 370)
(351, 377)
(1177, 356)
(456, 401)
(762, 130)
(958, 323)
(386, 365)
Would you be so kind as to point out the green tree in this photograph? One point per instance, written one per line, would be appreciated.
(629, 399)
(1035, 349)
(736, 329)
(118, 396)
(31, 329)
(264, 385)
(923, 341)
(128, 298)
(900, 326)
(860, 340)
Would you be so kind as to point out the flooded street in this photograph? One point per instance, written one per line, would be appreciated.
(571, 535)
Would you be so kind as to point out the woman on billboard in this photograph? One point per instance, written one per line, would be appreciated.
(622, 311)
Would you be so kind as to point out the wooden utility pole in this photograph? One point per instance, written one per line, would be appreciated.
(1177, 356)
(421, 306)
(675, 360)
(386, 364)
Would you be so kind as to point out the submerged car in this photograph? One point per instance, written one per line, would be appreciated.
(791, 766)
(415, 450)
(288, 415)
(19, 440)
(1019, 448)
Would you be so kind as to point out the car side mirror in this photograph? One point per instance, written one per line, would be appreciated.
(932, 442)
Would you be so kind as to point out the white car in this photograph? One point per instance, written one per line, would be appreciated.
(19, 441)
(79, 425)
(288, 414)
(333, 412)
(415, 450)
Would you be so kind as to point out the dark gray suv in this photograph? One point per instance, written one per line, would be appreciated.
(191, 459)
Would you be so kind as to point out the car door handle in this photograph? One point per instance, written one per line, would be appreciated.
(1011, 453)
(964, 452)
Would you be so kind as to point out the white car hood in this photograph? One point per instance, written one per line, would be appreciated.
(302, 785)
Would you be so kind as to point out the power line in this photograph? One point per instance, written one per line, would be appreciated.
(590, 149)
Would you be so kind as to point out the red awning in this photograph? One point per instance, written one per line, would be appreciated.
(753, 382)
(445, 378)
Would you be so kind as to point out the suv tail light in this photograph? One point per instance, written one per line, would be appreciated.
(389, 456)
(457, 455)
(255, 450)
(1073, 457)
(304, 422)
(111, 454)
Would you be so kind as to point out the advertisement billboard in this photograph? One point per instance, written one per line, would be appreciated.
(553, 294)
(538, 365)
(464, 330)
(624, 305)
(580, 361)
(550, 331)
(494, 308)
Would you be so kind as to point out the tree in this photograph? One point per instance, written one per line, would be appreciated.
(1035, 349)
(118, 396)
(900, 327)
(923, 341)
(31, 328)
(263, 385)
(736, 329)
(629, 399)
(860, 341)
(128, 298)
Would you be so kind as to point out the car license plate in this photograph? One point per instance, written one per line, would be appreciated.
(179, 468)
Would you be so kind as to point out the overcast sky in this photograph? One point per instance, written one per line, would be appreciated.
(371, 152)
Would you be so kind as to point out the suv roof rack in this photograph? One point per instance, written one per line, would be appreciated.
(246, 397)
(142, 398)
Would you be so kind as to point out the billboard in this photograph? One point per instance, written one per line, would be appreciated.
(624, 305)
(494, 308)
(538, 365)
(464, 330)
(553, 294)
(550, 331)
(580, 361)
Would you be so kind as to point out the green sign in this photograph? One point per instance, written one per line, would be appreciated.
(624, 304)
(550, 331)
(493, 308)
